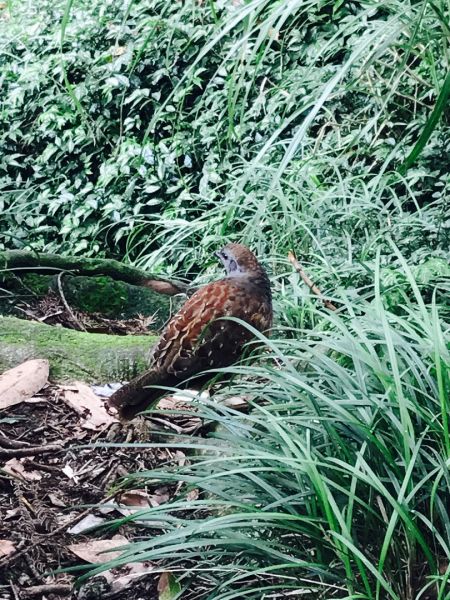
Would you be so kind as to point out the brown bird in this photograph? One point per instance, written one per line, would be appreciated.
(196, 338)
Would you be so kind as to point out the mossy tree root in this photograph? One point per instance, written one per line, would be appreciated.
(31, 261)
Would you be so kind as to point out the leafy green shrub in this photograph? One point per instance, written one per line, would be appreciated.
(79, 91)
(154, 130)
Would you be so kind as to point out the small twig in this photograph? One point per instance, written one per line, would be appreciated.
(27, 312)
(109, 475)
(315, 290)
(14, 590)
(41, 467)
(66, 305)
(45, 317)
(50, 588)
(30, 450)
(7, 443)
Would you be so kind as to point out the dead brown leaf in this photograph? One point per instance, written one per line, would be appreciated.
(174, 403)
(56, 501)
(273, 33)
(181, 458)
(69, 472)
(193, 495)
(132, 501)
(16, 468)
(168, 587)
(6, 548)
(182, 402)
(22, 382)
(236, 402)
(82, 399)
(162, 287)
(135, 498)
(96, 551)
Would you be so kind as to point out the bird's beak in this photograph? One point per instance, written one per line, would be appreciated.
(218, 254)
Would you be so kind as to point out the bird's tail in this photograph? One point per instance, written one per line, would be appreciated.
(134, 397)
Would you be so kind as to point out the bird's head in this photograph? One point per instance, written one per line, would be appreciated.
(238, 260)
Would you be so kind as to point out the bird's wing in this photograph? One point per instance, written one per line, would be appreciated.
(195, 340)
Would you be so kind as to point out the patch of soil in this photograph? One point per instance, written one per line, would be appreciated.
(42, 498)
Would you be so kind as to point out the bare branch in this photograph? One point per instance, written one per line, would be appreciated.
(315, 290)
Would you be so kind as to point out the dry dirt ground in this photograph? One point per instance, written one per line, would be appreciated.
(46, 483)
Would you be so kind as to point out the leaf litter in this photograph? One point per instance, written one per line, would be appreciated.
(54, 494)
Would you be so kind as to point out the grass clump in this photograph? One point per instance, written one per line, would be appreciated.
(336, 482)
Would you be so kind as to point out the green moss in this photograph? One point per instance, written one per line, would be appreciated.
(98, 294)
(91, 357)
(38, 284)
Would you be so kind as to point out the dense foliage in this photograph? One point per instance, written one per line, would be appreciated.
(153, 131)
(129, 128)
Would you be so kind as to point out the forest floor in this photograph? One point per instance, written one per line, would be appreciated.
(56, 484)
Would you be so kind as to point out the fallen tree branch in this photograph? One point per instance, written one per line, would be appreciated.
(7, 443)
(32, 261)
(50, 588)
(315, 290)
(29, 451)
